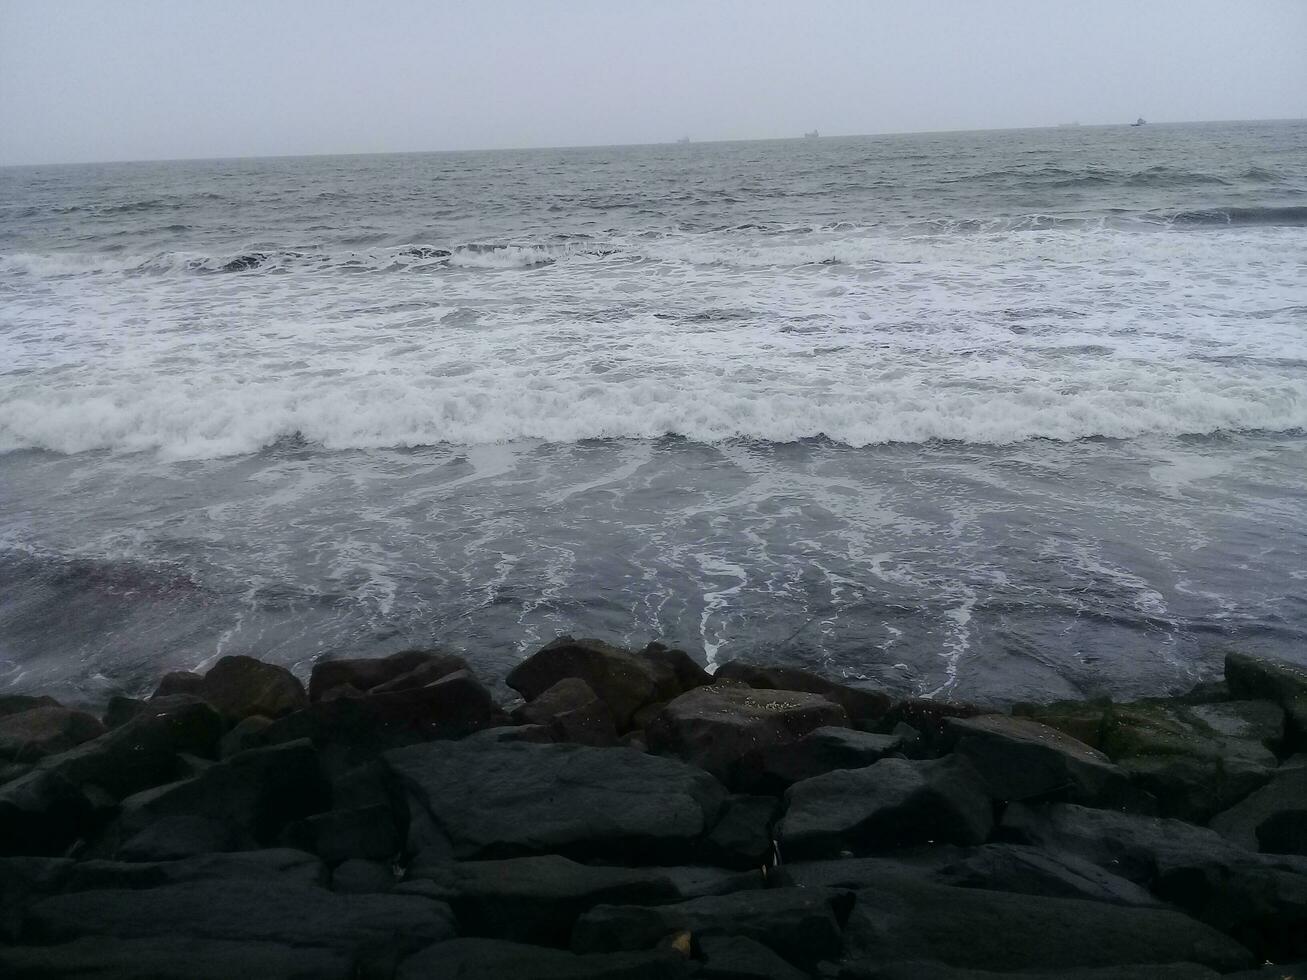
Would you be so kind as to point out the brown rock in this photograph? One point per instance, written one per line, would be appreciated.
(715, 727)
(180, 682)
(859, 703)
(242, 686)
(38, 732)
(622, 680)
(365, 673)
(573, 713)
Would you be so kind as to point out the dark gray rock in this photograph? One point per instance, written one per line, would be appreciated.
(1036, 871)
(367, 832)
(42, 813)
(737, 958)
(906, 918)
(435, 668)
(1256, 721)
(451, 707)
(26, 736)
(507, 800)
(894, 802)
(493, 959)
(622, 680)
(717, 727)
(173, 958)
(921, 970)
(361, 877)
(1260, 899)
(1272, 819)
(11, 704)
(274, 864)
(538, 899)
(178, 836)
(687, 671)
(252, 795)
(859, 704)
(742, 836)
(572, 712)
(927, 716)
(244, 910)
(801, 925)
(363, 674)
(1262, 678)
(144, 751)
(180, 682)
(775, 768)
(1021, 759)
(242, 686)
(120, 710)
(248, 733)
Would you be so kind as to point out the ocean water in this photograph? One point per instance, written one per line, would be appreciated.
(998, 415)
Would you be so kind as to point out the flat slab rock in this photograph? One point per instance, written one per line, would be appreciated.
(495, 799)
(906, 918)
(490, 959)
(802, 925)
(894, 802)
(538, 899)
(174, 958)
(277, 912)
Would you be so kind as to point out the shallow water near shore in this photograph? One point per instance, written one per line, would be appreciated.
(996, 415)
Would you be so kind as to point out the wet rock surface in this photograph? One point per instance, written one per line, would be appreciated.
(638, 817)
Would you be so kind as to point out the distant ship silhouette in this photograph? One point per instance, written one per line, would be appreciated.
(1139, 122)
(812, 135)
(683, 139)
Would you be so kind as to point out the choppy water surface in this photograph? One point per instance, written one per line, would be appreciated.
(1005, 415)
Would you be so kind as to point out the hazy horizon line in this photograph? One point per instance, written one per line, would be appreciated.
(1073, 124)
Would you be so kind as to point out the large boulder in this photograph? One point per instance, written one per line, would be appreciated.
(174, 958)
(455, 705)
(42, 813)
(803, 925)
(367, 832)
(242, 686)
(143, 752)
(894, 802)
(363, 674)
(906, 918)
(687, 671)
(742, 836)
(623, 681)
(860, 704)
(1021, 759)
(537, 899)
(494, 959)
(738, 958)
(1194, 760)
(12, 704)
(774, 768)
(27, 736)
(1272, 680)
(1037, 871)
(248, 799)
(1260, 899)
(929, 970)
(1273, 819)
(496, 799)
(277, 912)
(717, 726)
(572, 712)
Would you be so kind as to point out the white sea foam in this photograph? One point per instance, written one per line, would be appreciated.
(1061, 334)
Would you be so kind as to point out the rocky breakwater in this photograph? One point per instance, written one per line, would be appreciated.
(635, 817)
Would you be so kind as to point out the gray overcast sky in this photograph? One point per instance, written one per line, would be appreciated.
(141, 79)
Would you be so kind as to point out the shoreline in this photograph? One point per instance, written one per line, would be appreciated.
(632, 815)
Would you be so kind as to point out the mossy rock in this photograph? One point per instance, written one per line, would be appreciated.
(1082, 720)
